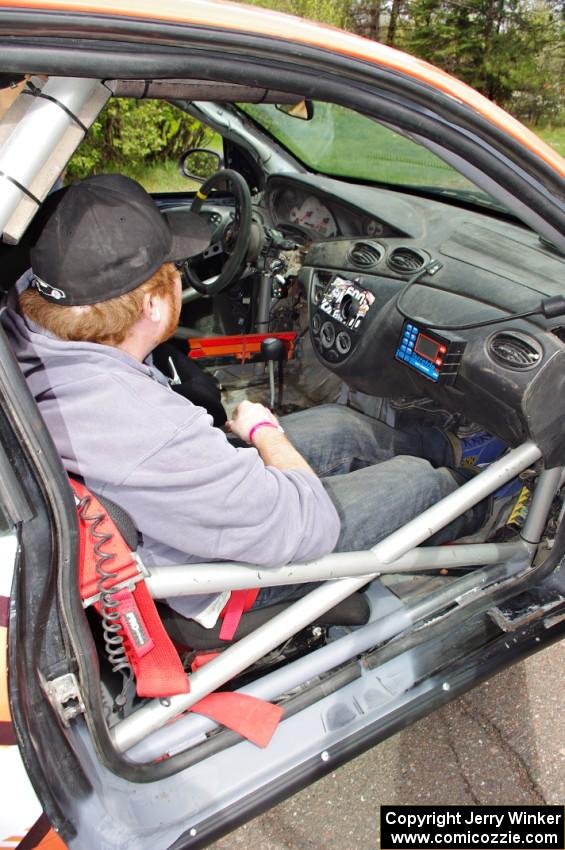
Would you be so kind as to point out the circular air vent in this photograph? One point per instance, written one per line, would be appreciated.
(364, 255)
(514, 350)
(406, 260)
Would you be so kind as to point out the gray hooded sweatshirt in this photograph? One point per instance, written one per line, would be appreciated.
(117, 423)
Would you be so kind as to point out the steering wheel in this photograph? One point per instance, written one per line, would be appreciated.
(234, 243)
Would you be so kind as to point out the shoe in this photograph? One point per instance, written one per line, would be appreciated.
(513, 519)
(480, 449)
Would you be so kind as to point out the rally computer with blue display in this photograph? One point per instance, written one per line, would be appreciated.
(435, 357)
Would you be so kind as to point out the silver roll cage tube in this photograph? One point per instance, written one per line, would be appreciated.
(342, 574)
(72, 105)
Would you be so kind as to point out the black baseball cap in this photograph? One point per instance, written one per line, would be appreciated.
(104, 236)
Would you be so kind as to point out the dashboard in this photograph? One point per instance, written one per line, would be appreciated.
(394, 279)
(300, 208)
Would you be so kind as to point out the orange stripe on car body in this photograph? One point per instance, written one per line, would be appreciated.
(250, 19)
(51, 841)
(40, 836)
(5, 716)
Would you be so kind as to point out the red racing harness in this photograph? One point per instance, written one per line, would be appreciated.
(112, 579)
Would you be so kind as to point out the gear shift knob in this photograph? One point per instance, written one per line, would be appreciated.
(272, 350)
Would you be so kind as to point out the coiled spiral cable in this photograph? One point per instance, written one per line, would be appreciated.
(111, 627)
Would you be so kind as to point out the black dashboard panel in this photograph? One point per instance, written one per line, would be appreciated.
(388, 338)
(307, 205)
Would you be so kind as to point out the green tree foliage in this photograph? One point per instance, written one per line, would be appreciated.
(510, 50)
(134, 134)
(378, 20)
(335, 12)
(539, 97)
(494, 45)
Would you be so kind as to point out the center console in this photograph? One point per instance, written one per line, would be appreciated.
(339, 306)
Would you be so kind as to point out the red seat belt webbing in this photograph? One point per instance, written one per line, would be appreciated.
(239, 601)
(150, 651)
(133, 624)
(201, 659)
(254, 719)
(158, 671)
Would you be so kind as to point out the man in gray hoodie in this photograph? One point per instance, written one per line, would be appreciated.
(103, 293)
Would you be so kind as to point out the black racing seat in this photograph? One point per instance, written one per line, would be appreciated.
(353, 611)
(192, 381)
(14, 261)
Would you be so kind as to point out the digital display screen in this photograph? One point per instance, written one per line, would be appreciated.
(427, 347)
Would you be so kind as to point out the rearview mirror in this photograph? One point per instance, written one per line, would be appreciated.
(304, 109)
(200, 163)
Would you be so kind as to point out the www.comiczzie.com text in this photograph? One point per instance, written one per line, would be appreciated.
(479, 827)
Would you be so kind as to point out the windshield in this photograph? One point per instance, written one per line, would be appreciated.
(339, 142)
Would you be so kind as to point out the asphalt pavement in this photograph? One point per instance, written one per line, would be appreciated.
(501, 743)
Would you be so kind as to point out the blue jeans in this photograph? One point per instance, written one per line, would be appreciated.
(378, 477)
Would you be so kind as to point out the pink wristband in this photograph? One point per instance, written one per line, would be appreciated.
(264, 424)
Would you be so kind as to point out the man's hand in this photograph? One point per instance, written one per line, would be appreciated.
(254, 423)
(248, 418)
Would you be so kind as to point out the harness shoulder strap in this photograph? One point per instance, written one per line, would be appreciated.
(110, 578)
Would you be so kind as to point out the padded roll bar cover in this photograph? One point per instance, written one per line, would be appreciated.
(353, 611)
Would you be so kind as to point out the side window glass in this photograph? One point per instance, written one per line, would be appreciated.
(143, 139)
